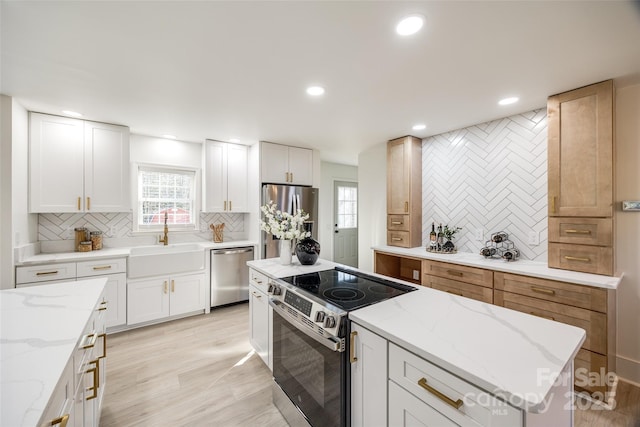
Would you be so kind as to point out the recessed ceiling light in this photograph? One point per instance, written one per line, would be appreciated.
(169, 136)
(234, 140)
(508, 101)
(71, 113)
(419, 126)
(315, 90)
(410, 25)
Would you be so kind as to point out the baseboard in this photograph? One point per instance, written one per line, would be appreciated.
(628, 370)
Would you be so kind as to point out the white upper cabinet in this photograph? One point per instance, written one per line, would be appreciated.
(225, 177)
(281, 164)
(77, 166)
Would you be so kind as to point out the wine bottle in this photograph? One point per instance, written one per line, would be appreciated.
(499, 237)
(511, 254)
(440, 237)
(432, 237)
(487, 251)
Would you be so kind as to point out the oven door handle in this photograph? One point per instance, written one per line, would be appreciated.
(330, 343)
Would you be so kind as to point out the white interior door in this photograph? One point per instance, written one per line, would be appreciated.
(345, 237)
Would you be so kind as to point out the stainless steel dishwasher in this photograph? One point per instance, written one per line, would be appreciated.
(230, 275)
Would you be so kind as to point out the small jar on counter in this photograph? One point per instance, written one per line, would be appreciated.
(84, 246)
(81, 236)
(96, 240)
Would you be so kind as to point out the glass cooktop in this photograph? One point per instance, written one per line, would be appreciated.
(348, 289)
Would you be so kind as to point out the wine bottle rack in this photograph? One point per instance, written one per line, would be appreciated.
(499, 246)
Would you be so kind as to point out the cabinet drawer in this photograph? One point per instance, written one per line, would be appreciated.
(47, 272)
(398, 222)
(582, 231)
(468, 290)
(550, 290)
(587, 362)
(398, 238)
(258, 280)
(594, 323)
(444, 392)
(101, 267)
(588, 259)
(476, 276)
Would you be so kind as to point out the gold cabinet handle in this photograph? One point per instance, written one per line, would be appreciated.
(173, 285)
(396, 222)
(540, 315)
(92, 341)
(396, 239)
(102, 267)
(225, 205)
(88, 203)
(60, 420)
(257, 281)
(165, 286)
(104, 346)
(230, 206)
(79, 201)
(575, 258)
(406, 206)
(572, 231)
(455, 293)
(352, 347)
(257, 295)
(455, 403)
(96, 379)
(455, 273)
(553, 204)
(46, 273)
(543, 291)
(291, 176)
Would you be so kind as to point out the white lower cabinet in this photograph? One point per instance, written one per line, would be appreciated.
(61, 408)
(260, 317)
(160, 297)
(368, 357)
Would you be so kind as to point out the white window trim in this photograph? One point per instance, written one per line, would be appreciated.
(148, 229)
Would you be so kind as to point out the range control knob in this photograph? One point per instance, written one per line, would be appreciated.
(320, 316)
(277, 290)
(329, 322)
(270, 290)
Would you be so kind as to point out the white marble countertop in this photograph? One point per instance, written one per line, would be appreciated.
(115, 253)
(504, 352)
(524, 267)
(40, 328)
(272, 267)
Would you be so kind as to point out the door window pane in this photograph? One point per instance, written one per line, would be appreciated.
(347, 207)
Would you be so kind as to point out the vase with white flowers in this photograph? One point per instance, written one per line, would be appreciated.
(283, 226)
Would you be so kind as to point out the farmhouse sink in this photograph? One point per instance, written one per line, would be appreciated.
(158, 260)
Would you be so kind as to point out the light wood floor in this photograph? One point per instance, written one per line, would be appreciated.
(186, 373)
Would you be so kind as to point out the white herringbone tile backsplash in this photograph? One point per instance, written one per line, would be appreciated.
(54, 226)
(491, 176)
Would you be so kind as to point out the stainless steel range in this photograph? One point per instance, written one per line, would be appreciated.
(310, 325)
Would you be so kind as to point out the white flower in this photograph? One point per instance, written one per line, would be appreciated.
(283, 225)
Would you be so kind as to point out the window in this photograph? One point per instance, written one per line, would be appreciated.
(347, 206)
(166, 191)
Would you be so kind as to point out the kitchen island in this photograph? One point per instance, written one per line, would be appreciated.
(503, 356)
(43, 328)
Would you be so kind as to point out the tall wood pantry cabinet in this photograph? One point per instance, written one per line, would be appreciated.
(580, 176)
(404, 192)
(77, 165)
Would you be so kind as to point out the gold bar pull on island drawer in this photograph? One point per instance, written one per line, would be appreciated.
(46, 273)
(62, 421)
(543, 291)
(455, 273)
(575, 258)
(455, 403)
(352, 347)
(396, 222)
(103, 267)
(573, 231)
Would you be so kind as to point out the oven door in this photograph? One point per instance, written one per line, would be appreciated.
(310, 369)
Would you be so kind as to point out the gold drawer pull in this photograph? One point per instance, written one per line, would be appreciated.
(104, 345)
(455, 403)
(543, 291)
(396, 239)
(575, 258)
(225, 205)
(46, 273)
(92, 341)
(173, 285)
(257, 281)
(88, 203)
(60, 420)
(455, 273)
(96, 378)
(553, 205)
(455, 293)
(103, 267)
(230, 206)
(165, 287)
(406, 206)
(573, 231)
(396, 222)
(352, 347)
(540, 315)
(79, 201)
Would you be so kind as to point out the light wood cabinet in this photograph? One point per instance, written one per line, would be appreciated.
(77, 166)
(225, 177)
(404, 192)
(469, 282)
(580, 176)
(282, 164)
(163, 297)
(368, 357)
(400, 267)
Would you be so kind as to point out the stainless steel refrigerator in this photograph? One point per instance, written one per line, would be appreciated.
(288, 198)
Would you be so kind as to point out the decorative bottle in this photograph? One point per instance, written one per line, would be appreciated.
(308, 249)
(433, 242)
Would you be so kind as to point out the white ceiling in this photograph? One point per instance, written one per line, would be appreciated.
(221, 70)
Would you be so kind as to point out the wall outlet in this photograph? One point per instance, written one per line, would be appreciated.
(416, 274)
(534, 238)
(113, 230)
(479, 234)
(69, 233)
